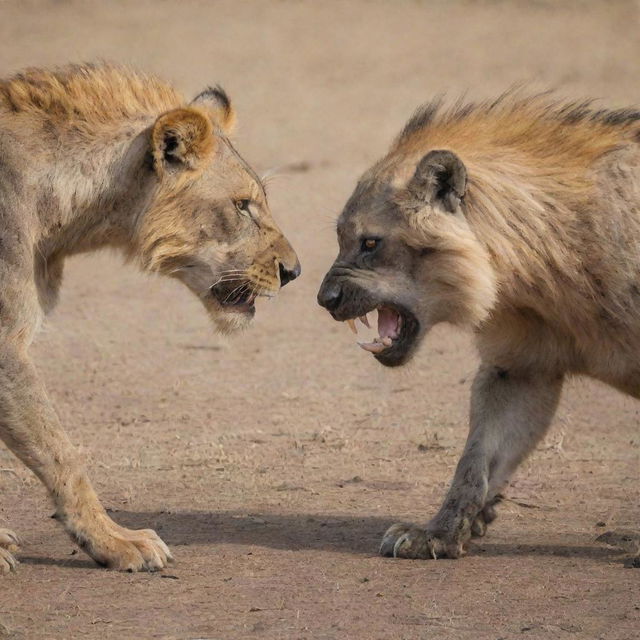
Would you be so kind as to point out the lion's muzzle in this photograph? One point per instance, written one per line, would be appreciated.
(287, 273)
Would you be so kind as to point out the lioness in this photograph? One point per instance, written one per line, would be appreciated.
(518, 218)
(97, 156)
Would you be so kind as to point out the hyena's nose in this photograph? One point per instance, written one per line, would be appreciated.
(330, 295)
(287, 275)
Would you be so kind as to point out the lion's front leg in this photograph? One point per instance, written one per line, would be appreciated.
(509, 415)
(30, 428)
(109, 544)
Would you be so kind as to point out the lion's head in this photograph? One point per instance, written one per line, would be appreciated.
(207, 222)
(408, 251)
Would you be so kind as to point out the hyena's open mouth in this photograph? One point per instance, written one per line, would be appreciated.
(398, 331)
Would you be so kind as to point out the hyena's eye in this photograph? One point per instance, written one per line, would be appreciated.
(370, 244)
(243, 206)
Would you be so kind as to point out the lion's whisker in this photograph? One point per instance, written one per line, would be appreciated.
(239, 289)
(226, 271)
(228, 278)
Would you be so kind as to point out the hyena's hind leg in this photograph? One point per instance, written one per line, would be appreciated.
(509, 414)
(8, 543)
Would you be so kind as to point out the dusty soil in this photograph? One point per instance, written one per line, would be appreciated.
(273, 462)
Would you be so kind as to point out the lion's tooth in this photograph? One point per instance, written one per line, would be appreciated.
(365, 321)
(387, 342)
(352, 325)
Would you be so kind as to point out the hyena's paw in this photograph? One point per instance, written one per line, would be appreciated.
(482, 520)
(126, 549)
(408, 541)
(8, 542)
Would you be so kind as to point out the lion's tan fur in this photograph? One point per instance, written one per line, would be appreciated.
(101, 156)
(86, 96)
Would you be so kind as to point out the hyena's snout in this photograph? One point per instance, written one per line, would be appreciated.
(330, 293)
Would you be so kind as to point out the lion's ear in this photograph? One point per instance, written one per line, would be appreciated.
(440, 179)
(182, 139)
(217, 103)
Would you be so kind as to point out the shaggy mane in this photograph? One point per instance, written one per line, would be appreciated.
(542, 134)
(515, 103)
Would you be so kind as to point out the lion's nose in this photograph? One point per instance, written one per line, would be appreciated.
(330, 295)
(287, 275)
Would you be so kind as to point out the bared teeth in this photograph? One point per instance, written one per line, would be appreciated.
(377, 346)
(372, 347)
(379, 343)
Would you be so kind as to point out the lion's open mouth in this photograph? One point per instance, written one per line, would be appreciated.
(239, 299)
(397, 332)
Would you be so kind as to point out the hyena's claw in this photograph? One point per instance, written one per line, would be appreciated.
(485, 518)
(409, 541)
(390, 538)
(478, 526)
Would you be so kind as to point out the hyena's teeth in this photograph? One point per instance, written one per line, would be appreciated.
(372, 347)
(352, 325)
(365, 321)
(378, 345)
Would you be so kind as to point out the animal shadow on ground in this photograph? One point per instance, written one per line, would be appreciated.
(327, 532)
(295, 532)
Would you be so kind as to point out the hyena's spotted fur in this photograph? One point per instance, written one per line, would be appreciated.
(519, 218)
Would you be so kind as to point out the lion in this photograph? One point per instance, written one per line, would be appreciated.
(519, 219)
(95, 156)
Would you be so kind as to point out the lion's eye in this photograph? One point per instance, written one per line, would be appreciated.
(243, 206)
(369, 244)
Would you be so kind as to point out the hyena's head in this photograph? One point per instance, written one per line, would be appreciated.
(208, 223)
(407, 251)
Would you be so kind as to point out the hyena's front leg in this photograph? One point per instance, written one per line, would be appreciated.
(30, 428)
(509, 414)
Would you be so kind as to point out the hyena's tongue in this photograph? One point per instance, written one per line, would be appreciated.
(388, 330)
(388, 323)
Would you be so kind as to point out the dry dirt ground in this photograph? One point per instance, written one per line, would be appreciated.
(273, 462)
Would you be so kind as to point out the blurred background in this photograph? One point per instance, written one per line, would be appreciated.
(273, 462)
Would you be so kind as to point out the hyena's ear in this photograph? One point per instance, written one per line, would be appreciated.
(217, 103)
(440, 179)
(182, 139)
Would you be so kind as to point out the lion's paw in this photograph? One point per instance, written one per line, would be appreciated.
(409, 541)
(7, 562)
(8, 542)
(128, 550)
(139, 550)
